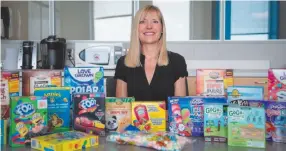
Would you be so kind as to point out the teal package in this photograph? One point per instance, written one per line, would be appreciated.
(59, 99)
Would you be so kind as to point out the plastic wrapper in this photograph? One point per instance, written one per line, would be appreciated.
(159, 141)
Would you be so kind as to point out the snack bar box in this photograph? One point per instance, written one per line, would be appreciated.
(64, 141)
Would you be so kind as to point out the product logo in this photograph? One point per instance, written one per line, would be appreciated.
(52, 94)
(283, 77)
(24, 109)
(213, 110)
(84, 73)
(235, 93)
(96, 57)
(236, 113)
(277, 106)
(118, 102)
(214, 75)
(197, 101)
(87, 103)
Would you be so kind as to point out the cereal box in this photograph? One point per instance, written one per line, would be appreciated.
(186, 114)
(236, 94)
(118, 113)
(84, 80)
(40, 78)
(28, 119)
(277, 84)
(215, 122)
(10, 86)
(246, 126)
(276, 121)
(89, 113)
(213, 82)
(149, 116)
(59, 99)
(3, 131)
(64, 141)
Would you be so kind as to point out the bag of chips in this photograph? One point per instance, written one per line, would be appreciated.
(159, 141)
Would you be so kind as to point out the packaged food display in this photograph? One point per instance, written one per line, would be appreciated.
(212, 82)
(64, 141)
(238, 94)
(28, 119)
(159, 141)
(89, 113)
(277, 85)
(118, 113)
(246, 126)
(58, 99)
(149, 116)
(215, 122)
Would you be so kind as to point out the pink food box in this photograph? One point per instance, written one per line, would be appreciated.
(277, 85)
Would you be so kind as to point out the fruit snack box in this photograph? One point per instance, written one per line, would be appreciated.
(277, 85)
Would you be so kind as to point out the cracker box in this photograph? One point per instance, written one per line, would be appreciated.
(40, 78)
(277, 84)
(246, 126)
(149, 116)
(64, 141)
(236, 94)
(28, 119)
(3, 131)
(186, 114)
(215, 122)
(84, 80)
(276, 121)
(89, 113)
(10, 86)
(213, 82)
(59, 99)
(118, 113)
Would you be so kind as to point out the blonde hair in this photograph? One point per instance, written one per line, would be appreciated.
(132, 58)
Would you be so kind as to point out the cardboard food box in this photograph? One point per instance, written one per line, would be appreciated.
(238, 94)
(149, 116)
(28, 119)
(64, 141)
(3, 131)
(89, 113)
(118, 113)
(246, 126)
(277, 84)
(59, 100)
(40, 78)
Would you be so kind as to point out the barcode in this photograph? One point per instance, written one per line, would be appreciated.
(34, 144)
(92, 140)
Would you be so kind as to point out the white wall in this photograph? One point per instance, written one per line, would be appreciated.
(74, 17)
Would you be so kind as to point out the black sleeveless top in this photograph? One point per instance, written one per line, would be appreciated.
(162, 84)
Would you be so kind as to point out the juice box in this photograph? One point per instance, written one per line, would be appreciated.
(64, 141)
(236, 94)
(215, 122)
(118, 113)
(28, 119)
(246, 126)
(3, 131)
(10, 86)
(276, 121)
(149, 116)
(186, 114)
(213, 81)
(84, 80)
(40, 78)
(89, 113)
(277, 84)
(59, 99)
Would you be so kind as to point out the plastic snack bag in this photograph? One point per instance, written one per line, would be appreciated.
(159, 141)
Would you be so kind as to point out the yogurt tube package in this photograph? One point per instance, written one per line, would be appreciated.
(160, 140)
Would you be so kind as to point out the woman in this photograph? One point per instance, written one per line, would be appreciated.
(149, 72)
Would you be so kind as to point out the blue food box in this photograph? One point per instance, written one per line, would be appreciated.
(58, 99)
(237, 94)
(186, 114)
(84, 79)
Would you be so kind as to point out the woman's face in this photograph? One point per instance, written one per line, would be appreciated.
(150, 28)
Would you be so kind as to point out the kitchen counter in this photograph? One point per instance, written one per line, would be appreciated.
(197, 145)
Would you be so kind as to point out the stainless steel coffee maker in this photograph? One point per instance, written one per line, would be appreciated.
(52, 53)
(27, 56)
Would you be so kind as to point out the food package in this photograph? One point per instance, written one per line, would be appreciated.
(159, 140)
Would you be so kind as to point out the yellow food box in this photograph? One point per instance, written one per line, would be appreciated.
(64, 141)
(149, 116)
